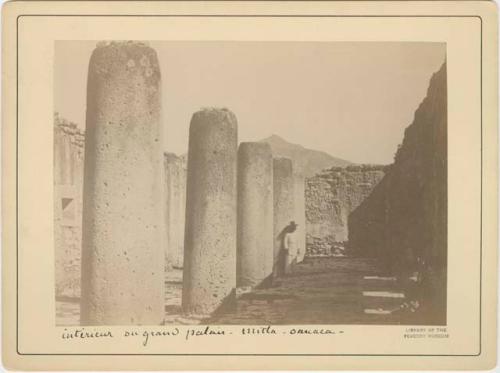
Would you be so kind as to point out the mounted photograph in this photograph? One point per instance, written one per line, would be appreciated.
(250, 183)
(264, 185)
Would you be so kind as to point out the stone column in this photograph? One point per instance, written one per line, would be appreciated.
(210, 238)
(175, 205)
(122, 253)
(300, 216)
(283, 195)
(255, 213)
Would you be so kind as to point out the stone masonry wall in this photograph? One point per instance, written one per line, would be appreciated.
(68, 180)
(330, 197)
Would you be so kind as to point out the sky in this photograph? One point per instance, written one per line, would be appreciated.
(352, 100)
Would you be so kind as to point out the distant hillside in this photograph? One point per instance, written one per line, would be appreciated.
(306, 162)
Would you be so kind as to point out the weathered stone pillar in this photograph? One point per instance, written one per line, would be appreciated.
(283, 195)
(255, 213)
(122, 254)
(300, 216)
(175, 206)
(210, 238)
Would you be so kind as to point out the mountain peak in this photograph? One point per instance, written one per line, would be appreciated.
(307, 162)
(274, 139)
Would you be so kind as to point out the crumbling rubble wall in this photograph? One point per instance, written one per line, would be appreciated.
(330, 197)
(68, 181)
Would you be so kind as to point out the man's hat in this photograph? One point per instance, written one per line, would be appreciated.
(293, 223)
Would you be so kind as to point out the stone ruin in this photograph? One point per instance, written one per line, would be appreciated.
(331, 196)
(68, 184)
(255, 214)
(175, 208)
(299, 215)
(283, 197)
(69, 142)
(123, 256)
(209, 277)
(404, 220)
(126, 252)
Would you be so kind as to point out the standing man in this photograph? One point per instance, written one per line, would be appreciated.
(289, 248)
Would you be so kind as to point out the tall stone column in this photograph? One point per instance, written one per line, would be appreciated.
(300, 216)
(255, 213)
(175, 206)
(283, 195)
(122, 254)
(210, 238)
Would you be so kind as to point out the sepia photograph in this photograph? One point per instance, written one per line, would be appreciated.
(263, 185)
(250, 183)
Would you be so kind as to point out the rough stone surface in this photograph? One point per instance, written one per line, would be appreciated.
(69, 142)
(68, 179)
(404, 220)
(300, 216)
(123, 256)
(175, 205)
(283, 196)
(330, 197)
(210, 239)
(255, 213)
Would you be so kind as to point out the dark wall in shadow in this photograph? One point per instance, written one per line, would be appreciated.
(404, 220)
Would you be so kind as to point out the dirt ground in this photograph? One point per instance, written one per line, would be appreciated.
(335, 290)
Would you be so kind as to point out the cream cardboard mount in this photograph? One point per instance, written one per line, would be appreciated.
(249, 185)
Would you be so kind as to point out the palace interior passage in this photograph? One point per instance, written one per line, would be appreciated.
(334, 290)
(370, 243)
